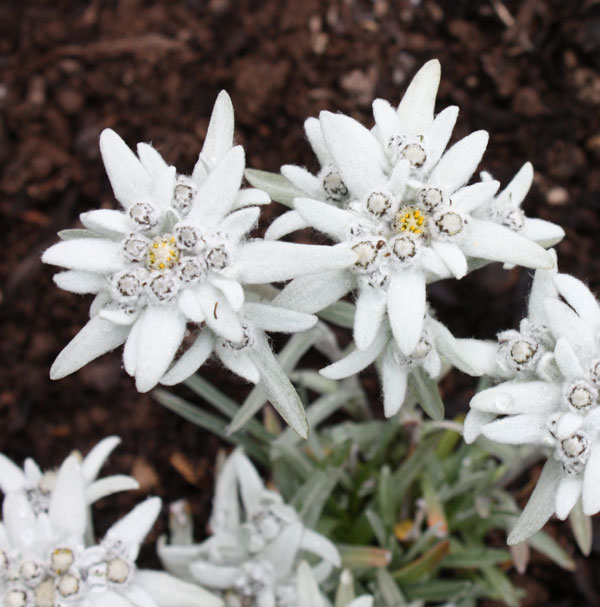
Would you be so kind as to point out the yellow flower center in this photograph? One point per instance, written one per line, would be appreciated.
(163, 253)
(410, 220)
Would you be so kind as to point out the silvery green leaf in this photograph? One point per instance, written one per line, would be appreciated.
(426, 391)
(390, 591)
(581, 525)
(278, 187)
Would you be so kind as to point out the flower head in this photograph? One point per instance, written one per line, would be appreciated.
(553, 403)
(254, 550)
(47, 562)
(408, 216)
(177, 259)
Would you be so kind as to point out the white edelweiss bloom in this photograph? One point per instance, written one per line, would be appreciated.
(505, 209)
(257, 539)
(409, 219)
(395, 368)
(556, 408)
(44, 560)
(178, 254)
(310, 594)
(38, 485)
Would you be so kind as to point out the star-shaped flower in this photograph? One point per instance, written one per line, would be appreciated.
(45, 561)
(557, 410)
(409, 215)
(177, 258)
(254, 550)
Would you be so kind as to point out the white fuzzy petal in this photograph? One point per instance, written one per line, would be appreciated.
(489, 240)
(97, 337)
(86, 254)
(282, 551)
(275, 261)
(580, 298)
(11, 476)
(452, 256)
(474, 422)
(314, 292)
(216, 577)
(218, 192)
(237, 224)
(190, 361)
(406, 308)
(567, 495)
(399, 178)
(80, 282)
(151, 160)
(517, 430)
(130, 181)
(118, 316)
(415, 112)
(238, 362)
(541, 504)
(564, 322)
(467, 199)
(567, 360)
(168, 591)
(219, 315)
(273, 318)
(459, 162)
(321, 546)
(278, 388)
(439, 134)
(307, 587)
(19, 521)
(312, 128)
(107, 221)
(108, 486)
(225, 515)
(357, 360)
(514, 193)
(232, 289)
(161, 332)
(95, 459)
(542, 288)
(386, 120)
(510, 398)
(250, 197)
(591, 483)
(545, 233)
(134, 526)
(252, 489)
(473, 356)
(130, 350)
(190, 306)
(68, 507)
(285, 224)
(303, 180)
(164, 188)
(219, 136)
(393, 380)
(324, 217)
(370, 312)
(356, 152)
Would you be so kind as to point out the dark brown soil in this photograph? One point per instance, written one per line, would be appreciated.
(526, 71)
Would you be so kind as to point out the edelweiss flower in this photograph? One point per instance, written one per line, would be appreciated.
(178, 257)
(409, 217)
(505, 209)
(44, 561)
(558, 410)
(38, 485)
(395, 367)
(309, 593)
(253, 552)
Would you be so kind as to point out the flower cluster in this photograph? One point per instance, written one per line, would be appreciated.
(177, 260)
(47, 558)
(549, 398)
(253, 553)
